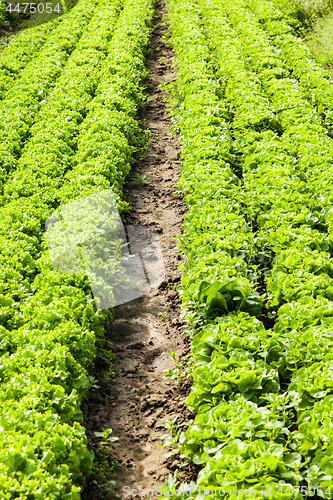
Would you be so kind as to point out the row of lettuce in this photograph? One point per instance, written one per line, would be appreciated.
(253, 109)
(23, 46)
(68, 130)
(2, 12)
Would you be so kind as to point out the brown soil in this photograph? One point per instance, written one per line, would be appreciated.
(140, 398)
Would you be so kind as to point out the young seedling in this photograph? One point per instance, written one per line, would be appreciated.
(108, 375)
(106, 437)
(162, 314)
(140, 180)
(174, 438)
(183, 368)
(94, 382)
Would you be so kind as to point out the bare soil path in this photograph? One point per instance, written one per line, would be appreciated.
(140, 398)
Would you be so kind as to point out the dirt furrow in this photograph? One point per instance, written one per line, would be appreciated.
(138, 398)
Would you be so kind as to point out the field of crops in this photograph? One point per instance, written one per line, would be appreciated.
(254, 110)
(254, 113)
(69, 94)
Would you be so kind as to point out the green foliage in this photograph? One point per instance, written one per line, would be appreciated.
(3, 5)
(320, 38)
(312, 9)
(252, 106)
(221, 297)
(106, 437)
(140, 180)
(183, 367)
(68, 129)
